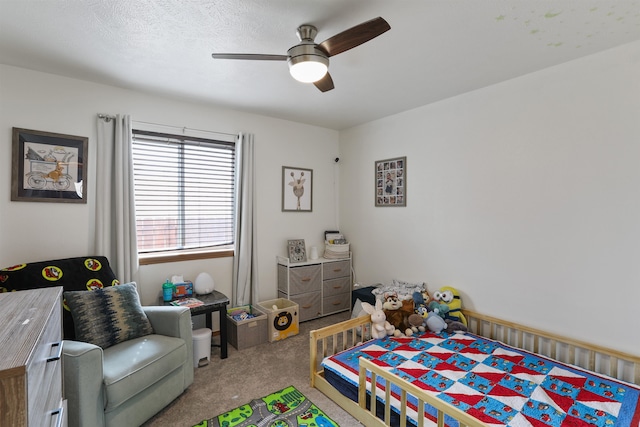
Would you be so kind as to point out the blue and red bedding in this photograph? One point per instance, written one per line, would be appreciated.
(494, 382)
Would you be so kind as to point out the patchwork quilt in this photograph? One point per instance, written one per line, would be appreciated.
(494, 382)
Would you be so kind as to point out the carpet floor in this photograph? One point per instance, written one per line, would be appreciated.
(249, 374)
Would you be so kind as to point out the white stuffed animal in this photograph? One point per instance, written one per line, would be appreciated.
(379, 325)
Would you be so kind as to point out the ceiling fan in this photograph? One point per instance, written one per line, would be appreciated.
(308, 61)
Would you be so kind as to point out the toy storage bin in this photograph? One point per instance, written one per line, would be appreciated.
(282, 318)
(249, 332)
(201, 347)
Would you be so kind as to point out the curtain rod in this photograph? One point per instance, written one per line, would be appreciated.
(109, 117)
(184, 128)
(106, 117)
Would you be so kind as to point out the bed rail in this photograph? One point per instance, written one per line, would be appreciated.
(333, 339)
(605, 361)
(407, 389)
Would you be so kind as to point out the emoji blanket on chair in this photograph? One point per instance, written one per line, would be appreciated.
(496, 383)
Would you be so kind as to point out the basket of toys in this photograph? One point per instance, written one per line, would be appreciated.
(246, 326)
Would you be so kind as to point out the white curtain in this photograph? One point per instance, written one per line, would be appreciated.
(245, 261)
(115, 234)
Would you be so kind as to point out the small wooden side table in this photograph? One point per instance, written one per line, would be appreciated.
(215, 301)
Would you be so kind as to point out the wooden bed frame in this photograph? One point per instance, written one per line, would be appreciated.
(335, 338)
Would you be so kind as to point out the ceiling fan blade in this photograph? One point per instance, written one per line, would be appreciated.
(354, 36)
(252, 56)
(325, 84)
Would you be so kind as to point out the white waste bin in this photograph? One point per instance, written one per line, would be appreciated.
(201, 347)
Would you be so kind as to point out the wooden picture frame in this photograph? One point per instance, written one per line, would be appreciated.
(297, 189)
(391, 182)
(48, 167)
(297, 251)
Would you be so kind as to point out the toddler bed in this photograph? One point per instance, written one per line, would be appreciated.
(500, 373)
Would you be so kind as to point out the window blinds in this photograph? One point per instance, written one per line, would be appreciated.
(184, 192)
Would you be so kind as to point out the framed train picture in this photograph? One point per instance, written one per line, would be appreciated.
(48, 167)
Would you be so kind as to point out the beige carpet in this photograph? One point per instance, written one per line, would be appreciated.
(249, 374)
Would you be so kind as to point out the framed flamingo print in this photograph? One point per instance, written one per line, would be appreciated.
(297, 189)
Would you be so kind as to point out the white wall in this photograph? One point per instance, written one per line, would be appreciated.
(40, 231)
(524, 195)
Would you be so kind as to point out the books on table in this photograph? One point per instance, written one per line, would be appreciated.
(187, 302)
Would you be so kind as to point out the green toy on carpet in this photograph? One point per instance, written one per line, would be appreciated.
(286, 407)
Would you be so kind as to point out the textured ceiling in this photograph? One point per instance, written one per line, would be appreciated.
(435, 49)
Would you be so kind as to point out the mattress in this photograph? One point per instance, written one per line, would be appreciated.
(494, 382)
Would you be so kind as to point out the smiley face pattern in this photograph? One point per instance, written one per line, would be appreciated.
(73, 274)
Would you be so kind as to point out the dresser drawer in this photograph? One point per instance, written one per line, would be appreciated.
(45, 372)
(335, 303)
(31, 333)
(304, 279)
(309, 305)
(336, 286)
(54, 398)
(332, 270)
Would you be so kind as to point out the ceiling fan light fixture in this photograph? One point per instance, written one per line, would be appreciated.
(308, 68)
(308, 61)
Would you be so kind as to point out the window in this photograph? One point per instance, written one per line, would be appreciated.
(184, 193)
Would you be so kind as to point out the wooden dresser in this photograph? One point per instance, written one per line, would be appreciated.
(319, 287)
(30, 358)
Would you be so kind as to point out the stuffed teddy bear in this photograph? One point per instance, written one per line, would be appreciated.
(416, 324)
(379, 325)
(416, 320)
(451, 297)
(396, 311)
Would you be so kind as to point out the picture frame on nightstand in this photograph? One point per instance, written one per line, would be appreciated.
(297, 250)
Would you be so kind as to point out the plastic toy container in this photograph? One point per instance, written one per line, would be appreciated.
(248, 332)
(282, 318)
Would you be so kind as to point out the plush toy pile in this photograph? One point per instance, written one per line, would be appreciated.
(393, 315)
